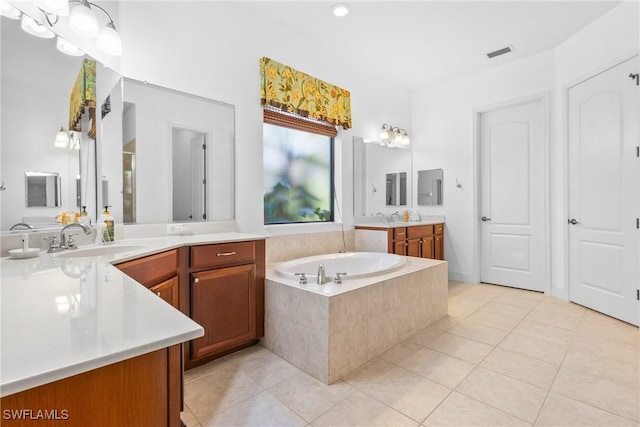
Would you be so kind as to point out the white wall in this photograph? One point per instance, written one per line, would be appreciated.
(443, 129)
(215, 54)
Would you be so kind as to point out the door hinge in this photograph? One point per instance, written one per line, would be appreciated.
(204, 181)
(638, 223)
(638, 151)
(635, 77)
(204, 146)
(638, 294)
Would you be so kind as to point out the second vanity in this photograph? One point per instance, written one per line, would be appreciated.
(422, 239)
(88, 334)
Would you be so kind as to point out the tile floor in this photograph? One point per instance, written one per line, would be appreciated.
(502, 357)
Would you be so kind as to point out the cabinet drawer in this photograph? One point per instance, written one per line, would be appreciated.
(399, 233)
(418, 231)
(152, 269)
(222, 254)
(439, 228)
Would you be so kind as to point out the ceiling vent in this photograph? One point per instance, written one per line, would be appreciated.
(500, 52)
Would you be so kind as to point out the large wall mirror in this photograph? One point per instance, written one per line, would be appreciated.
(175, 153)
(37, 80)
(142, 161)
(382, 178)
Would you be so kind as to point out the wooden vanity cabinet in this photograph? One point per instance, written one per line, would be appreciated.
(226, 296)
(423, 241)
(438, 243)
(159, 273)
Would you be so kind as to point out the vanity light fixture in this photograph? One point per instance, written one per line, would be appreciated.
(55, 7)
(29, 25)
(9, 11)
(340, 9)
(68, 48)
(67, 139)
(63, 139)
(392, 136)
(82, 21)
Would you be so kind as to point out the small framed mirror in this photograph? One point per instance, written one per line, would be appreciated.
(430, 187)
(43, 189)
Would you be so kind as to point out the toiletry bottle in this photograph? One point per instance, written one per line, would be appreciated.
(405, 216)
(109, 222)
(84, 217)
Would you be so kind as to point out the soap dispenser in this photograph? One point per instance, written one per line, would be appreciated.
(109, 226)
(84, 217)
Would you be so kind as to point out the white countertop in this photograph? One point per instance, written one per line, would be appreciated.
(397, 224)
(64, 316)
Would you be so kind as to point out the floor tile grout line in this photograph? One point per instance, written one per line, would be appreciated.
(555, 378)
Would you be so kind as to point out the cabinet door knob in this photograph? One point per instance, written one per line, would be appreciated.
(196, 280)
(158, 294)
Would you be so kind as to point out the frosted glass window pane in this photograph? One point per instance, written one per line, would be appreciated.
(297, 176)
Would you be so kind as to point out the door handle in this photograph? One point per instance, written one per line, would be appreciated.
(484, 218)
(572, 221)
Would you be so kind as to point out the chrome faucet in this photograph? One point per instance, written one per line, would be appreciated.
(394, 215)
(22, 226)
(322, 278)
(70, 243)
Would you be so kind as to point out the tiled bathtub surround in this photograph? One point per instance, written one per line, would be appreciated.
(331, 331)
(293, 246)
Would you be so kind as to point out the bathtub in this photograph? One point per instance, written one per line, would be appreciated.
(355, 264)
(331, 330)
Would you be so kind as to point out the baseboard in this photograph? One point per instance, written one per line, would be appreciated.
(460, 277)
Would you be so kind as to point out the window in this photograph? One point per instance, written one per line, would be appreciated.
(298, 176)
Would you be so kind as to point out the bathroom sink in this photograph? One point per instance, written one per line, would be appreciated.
(98, 251)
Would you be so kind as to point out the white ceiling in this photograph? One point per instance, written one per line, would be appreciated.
(418, 43)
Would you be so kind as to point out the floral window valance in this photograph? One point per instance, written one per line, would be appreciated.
(287, 89)
(83, 94)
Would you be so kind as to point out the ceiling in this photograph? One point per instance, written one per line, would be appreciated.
(419, 43)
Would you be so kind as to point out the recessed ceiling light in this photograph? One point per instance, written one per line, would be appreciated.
(340, 9)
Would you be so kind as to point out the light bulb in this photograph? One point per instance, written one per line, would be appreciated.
(340, 9)
(9, 11)
(56, 7)
(68, 48)
(109, 40)
(29, 25)
(83, 21)
(62, 139)
(405, 139)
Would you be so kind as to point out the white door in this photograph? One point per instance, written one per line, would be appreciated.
(512, 196)
(198, 183)
(603, 193)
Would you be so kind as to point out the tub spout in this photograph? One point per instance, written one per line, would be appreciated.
(322, 278)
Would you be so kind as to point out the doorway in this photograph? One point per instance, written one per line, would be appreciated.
(604, 189)
(512, 207)
(189, 174)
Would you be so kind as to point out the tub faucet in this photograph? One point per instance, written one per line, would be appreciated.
(22, 226)
(322, 278)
